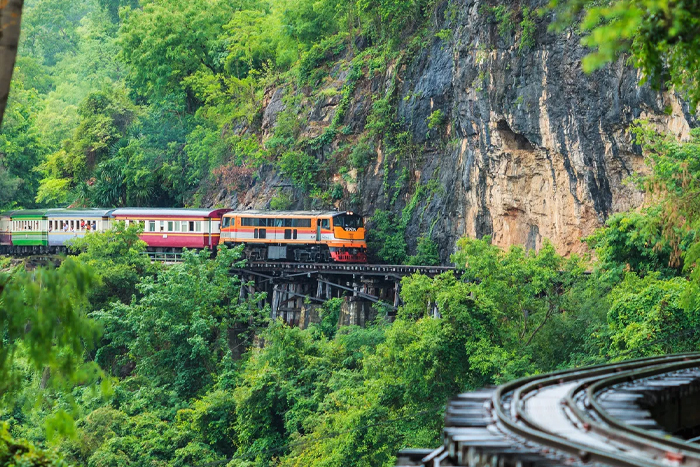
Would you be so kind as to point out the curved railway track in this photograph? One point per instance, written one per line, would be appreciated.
(625, 414)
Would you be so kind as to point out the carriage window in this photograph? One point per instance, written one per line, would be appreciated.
(279, 222)
(325, 223)
(170, 226)
(198, 226)
(151, 226)
(177, 226)
(162, 226)
(287, 222)
(301, 223)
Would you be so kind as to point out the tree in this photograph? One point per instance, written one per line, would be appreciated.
(167, 41)
(21, 146)
(43, 319)
(119, 257)
(105, 117)
(10, 19)
(179, 330)
(649, 314)
(663, 37)
(527, 288)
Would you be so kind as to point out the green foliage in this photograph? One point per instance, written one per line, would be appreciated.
(502, 15)
(44, 324)
(177, 331)
(119, 258)
(633, 242)
(21, 150)
(166, 42)
(527, 289)
(444, 35)
(648, 314)
(436, 119)
(310, 21)
(301, 168)
(362, 154)
(281, 202)
(662, 38)
(320, 53)
(104, 119)
(330, 314)
(427, 253)
(394, 18)
(386, 238)
(14, 452)
(528, 28)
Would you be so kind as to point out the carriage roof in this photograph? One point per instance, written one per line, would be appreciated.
(262, 213)
(167, 212)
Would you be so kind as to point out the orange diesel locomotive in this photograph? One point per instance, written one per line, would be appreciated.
(302, 236)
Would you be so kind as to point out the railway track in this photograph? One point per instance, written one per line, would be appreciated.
(642, 413)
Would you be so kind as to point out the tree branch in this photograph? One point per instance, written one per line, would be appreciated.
(10, 18)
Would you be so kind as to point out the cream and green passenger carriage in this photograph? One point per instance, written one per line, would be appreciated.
(29, 228)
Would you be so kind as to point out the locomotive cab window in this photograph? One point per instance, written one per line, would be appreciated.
(348, 221)
(325, 224)
(227, 222)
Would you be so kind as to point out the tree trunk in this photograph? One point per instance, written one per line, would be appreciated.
(10, 17)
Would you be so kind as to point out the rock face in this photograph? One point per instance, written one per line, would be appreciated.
(530, 147)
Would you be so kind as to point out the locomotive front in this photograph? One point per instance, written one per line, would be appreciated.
(348, 244)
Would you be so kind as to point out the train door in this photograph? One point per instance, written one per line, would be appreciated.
(44, 226)
(209, 225)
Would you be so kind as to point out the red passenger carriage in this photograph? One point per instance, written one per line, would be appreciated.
(174, 229)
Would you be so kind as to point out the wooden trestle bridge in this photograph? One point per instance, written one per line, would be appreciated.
(294, 290)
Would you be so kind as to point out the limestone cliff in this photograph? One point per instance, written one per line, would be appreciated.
(530, 147)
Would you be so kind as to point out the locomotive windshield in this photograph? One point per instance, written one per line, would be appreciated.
(348, 221)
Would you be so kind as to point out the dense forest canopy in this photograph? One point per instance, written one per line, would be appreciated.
(152, 103)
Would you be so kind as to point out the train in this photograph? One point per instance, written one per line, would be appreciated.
(298, 236)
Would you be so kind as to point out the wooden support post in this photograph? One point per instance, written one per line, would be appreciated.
(275, 301)
(397, 290)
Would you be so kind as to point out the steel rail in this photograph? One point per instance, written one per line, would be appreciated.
(518, 422)
(647, 437)
(658, 447)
